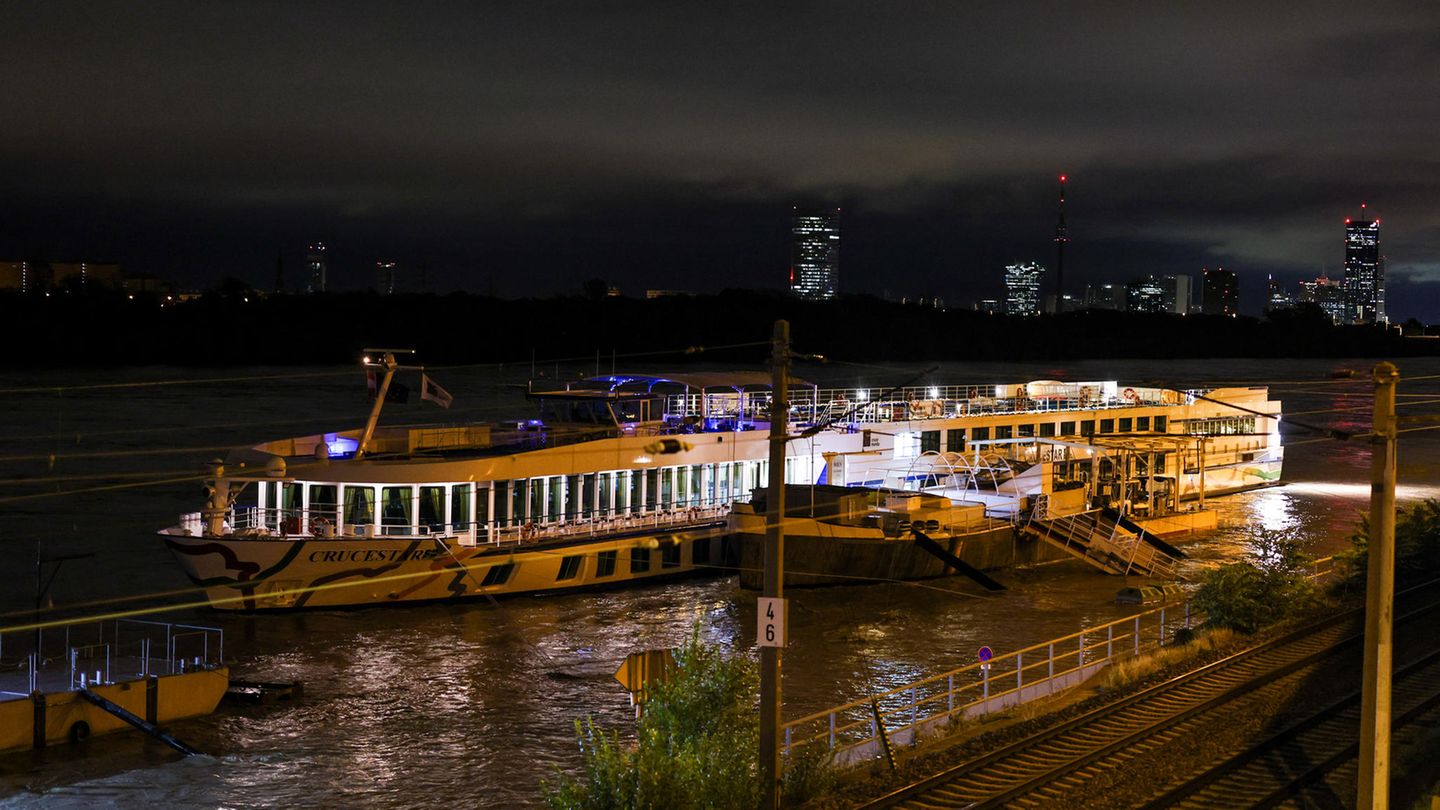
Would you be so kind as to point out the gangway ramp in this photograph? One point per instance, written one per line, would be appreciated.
(1107, 540)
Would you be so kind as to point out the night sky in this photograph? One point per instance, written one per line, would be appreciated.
(526, 147)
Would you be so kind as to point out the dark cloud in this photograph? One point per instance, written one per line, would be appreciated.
(660, 145)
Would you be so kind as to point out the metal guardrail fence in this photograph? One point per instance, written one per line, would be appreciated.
(69, 658)
(852, 731)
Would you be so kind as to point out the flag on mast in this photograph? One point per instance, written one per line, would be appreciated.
(431, 390)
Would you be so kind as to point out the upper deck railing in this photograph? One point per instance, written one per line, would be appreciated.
(862, 405)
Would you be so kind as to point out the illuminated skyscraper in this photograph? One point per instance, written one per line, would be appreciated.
(1175, 296)
(1364, 272)
(815, 253)
(1145, 295)
(316, 262)
(385, 277)
(1326, 294)
(1022, 288)
(1220, 292)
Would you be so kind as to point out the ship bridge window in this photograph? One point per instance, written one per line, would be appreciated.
(955, 440)
(1047, 428)
(1067, 428)
(637, 410)
(572, 411)
(1127, 424)
(980, 434)
(1159, 424)
(1142, 423)
(1025, 431)
(1004, 431)
(1107, 425)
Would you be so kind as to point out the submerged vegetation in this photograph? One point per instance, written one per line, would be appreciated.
(1267, 586)
(696, 743)
(1417, 540)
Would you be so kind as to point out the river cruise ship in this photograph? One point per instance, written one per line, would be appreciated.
(626, 479)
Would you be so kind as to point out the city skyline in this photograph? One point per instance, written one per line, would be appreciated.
(526, 152)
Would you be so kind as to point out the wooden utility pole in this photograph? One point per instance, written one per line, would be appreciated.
(774, 574)
(1374, 776)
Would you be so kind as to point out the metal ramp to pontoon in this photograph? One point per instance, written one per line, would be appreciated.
(1105, 539)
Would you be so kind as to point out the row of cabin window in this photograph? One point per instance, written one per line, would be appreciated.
(544, 499)
(605, 563)
(565, 497)
(955, 438)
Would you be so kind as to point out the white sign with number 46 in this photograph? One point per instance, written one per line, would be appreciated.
(771, 630)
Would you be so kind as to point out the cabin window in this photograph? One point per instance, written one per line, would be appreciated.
(502, 502)
(700, 551)
(587, 496)
(460, 507)
(558, 497)
(1159, 424)
(955, 440)
(1067, 428)
(1127, 424)
(980, 434)
(569, 567)
(1107, 425)
(518, 495)
(605, 563)
(637, 490)
(1004, 431)
(395, 510)
(670, 555)
(291, 506)
(930, 441)
(699, 490)
(682, 485)
(497, 575)
(1025, 431)
(1087, 428)
(667, 487)
(537, 500)
(606, 493)
(652, 488)
(639, 560)
(432, 509)
(323, 503)
(359, 505)
(1047, 428)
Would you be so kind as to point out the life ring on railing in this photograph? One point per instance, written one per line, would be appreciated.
(320, 527)
(1129, 395)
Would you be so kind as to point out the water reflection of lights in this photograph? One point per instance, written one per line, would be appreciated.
(1274, 510)
(1361, 491)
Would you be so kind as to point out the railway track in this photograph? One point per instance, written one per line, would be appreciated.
(1295, 761)
(1052, 766)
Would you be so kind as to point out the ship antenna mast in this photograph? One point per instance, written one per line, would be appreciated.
(387, 362)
